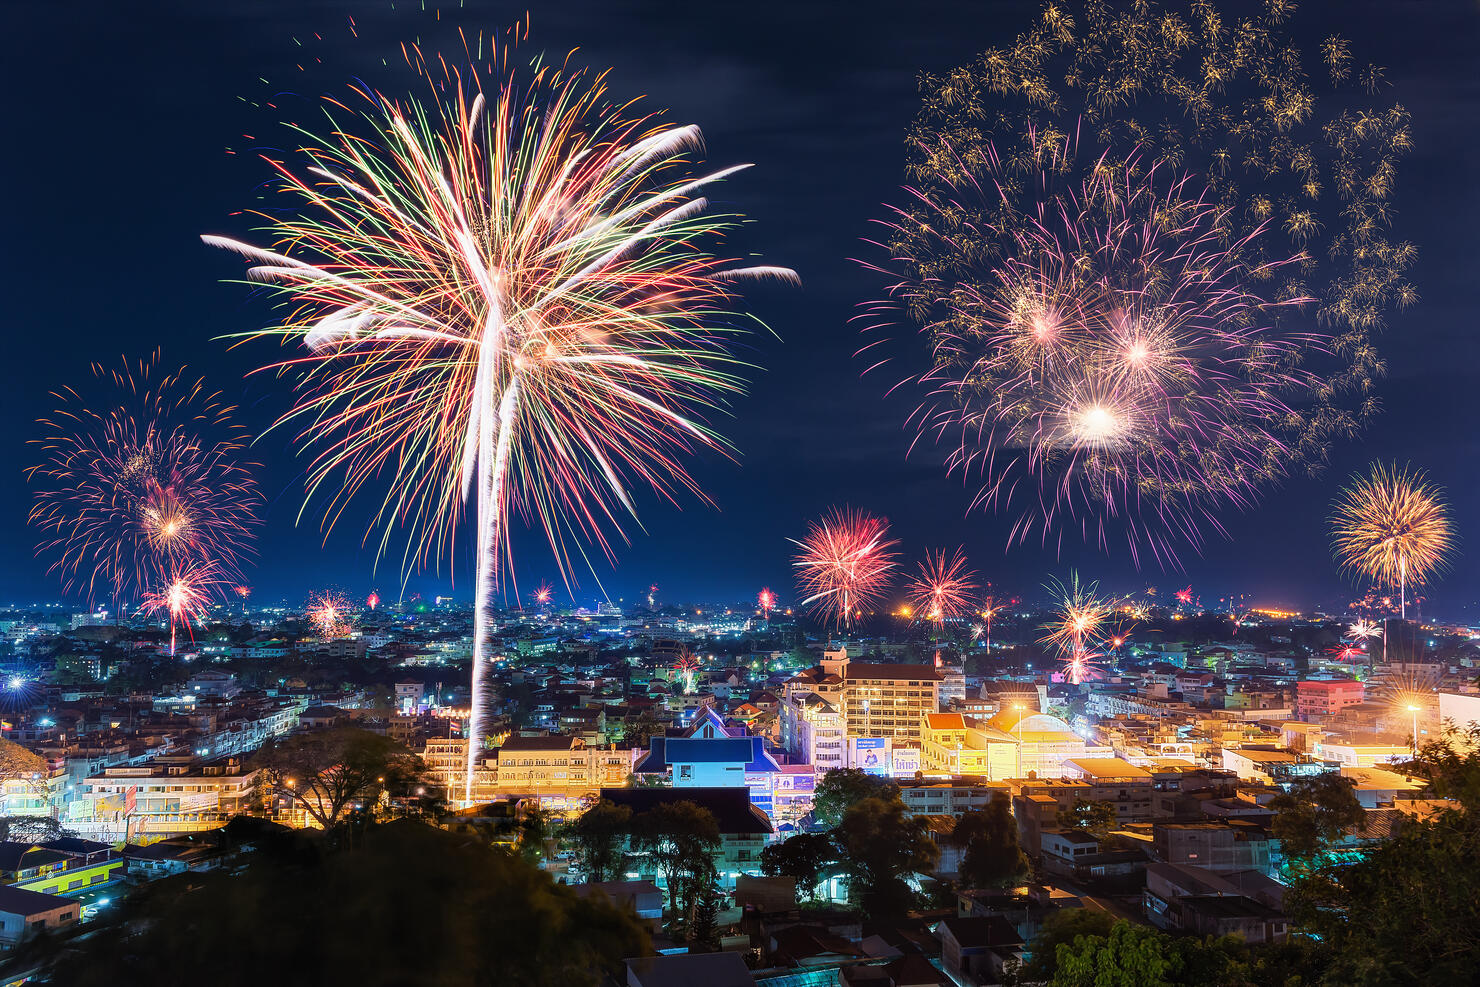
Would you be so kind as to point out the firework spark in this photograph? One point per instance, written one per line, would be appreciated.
(686, 667)
(185, 597)
(844, 564)
(373, 600)
(1392, 526)
(507, 302)
(143, 486)
(1079, 615)
(942, 590)
(329, 613)
(1117, 353)
(766, 600)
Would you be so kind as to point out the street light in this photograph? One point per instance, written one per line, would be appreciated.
(1414, 710)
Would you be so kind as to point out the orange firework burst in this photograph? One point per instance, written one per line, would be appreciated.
(844, 564)
(942, 590)
(1392, 526)
(329, 613)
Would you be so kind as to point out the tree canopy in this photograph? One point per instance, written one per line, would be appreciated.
(841, 788)
(598, 838)
(993, 858)
(327, 772)
(410, 905)
(882, 846)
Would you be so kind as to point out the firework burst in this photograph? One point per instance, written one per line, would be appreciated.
(766, 601)
(507, 302)
(1143, 389)
(1363, 630)
(144, 485)
(184, 597)
(330, 615)
(544, 593)
(844, 564)
(686, 667)
(1117, 355)
(1080, 614)
(942, 589)
(373, 600)
(1392, 526)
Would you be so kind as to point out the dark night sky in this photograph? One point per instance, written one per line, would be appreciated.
(119, 117)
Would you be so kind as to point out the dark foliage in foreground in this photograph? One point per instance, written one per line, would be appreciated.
(408, 905)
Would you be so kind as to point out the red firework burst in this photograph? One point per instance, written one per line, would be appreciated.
(844, 564)
(145, 486)
(942, 590)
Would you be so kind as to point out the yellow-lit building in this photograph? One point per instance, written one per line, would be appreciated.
(560, 771)
(963, 746)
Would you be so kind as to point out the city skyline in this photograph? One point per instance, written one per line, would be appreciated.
(824, 131)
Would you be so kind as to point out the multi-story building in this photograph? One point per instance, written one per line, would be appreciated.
(1221, 847)
(956, 745)
(562, 772)
(869, 701)
(1119, 783)
(1317, 698)
(949, 798)
(446, 759)
(167, 796)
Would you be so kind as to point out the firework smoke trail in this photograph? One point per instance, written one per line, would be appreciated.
(143, 485)
(942, 589)
(1116, 354)
(184, 596)
(844, 564)
(506, 299)
(1392, 526)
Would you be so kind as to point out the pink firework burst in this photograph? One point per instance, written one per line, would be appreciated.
(1105, 351)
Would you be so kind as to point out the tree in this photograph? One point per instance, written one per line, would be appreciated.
(411, 906)
(326, 772)
(802, 857)
(842, 788)
(1089, 816)
(1140, 956)
(681, 838)
(642, 729)
(597, 839)
(533, 832)
(1407, 911)
(704, 931)
(1314, 815)
(993, 858)
(1060, 928)
(31, 829)
(882, 846)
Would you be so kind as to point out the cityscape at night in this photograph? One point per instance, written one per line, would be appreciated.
(634, 495)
